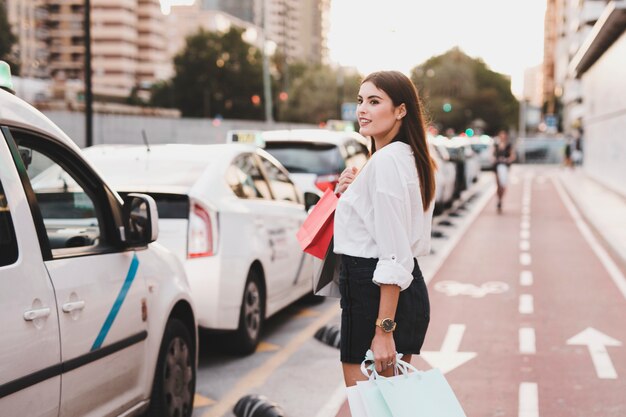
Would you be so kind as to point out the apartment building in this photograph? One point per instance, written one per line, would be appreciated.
(27, 19)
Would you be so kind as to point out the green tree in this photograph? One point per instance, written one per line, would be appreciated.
(215, 74)
(7, 39)
(458, 90)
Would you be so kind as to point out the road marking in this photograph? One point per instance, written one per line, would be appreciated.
(201, 401)
(527, 341)
(524, 234)
(526, 218)
(267, 347)
(453, 288)
(525, 258)
(256, 377)
(526, 304)
(334, 403)
(525, 225)
(526, 209)
(597, 342)
(524, 245)
(449, 357)
(614, 272)
(526, 278)
(528, 400)
(307, 312)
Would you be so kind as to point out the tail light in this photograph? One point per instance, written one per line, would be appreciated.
(200, 233)
(327, 182)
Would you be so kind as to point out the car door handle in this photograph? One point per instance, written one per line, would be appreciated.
(73, 306)
(36, 313)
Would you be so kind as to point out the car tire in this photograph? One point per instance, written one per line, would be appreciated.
(251, 317)
(174, 383)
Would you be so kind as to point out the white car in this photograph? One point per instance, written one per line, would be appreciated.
(231, 214)
(96, 320)
(484, 147)
(445, 176)
(316, 157)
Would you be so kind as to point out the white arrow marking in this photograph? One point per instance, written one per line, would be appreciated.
(449, 358)
(597, 342)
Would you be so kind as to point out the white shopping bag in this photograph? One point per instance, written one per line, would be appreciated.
(357, 408)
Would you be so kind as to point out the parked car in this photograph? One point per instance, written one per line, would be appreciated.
(483, 146)
(316, 157)
(96, 319)
(230, 213)
(467, 164)
(445, 176)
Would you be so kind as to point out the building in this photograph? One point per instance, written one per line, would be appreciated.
(28, 21)
(568, 23)
(599, 66)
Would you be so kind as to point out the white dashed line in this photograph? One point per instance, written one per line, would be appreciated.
(528, 400)
(526, 278)
(526, 304)
(525, 225)
(524, 245)
(525, 258)
(527, 341)
(524, 234)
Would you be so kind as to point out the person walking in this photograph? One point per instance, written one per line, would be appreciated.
(382, 223)
(504, 155)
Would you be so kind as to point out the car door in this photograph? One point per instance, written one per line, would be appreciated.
(101, 307)
(288, 214)
(30, 349)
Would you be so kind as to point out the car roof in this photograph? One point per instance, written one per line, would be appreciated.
(117, 162)
(312, 135)
(15, 112)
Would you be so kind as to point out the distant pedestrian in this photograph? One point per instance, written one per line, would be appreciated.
(504, 155)
(577, 152)
(567, 153)
(382, 223)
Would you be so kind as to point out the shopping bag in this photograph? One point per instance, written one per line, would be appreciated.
(408, 394)
(315, 233)
(357, 408)
(326, 274)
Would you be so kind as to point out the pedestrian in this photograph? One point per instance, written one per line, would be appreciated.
(568, 153)
(382, 222)
(504, 155)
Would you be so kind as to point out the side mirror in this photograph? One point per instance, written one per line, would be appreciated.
(141, 220)
(310, 199)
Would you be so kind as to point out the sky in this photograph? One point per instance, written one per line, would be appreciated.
(401, 34)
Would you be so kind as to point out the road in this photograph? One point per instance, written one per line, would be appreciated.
(527, 320)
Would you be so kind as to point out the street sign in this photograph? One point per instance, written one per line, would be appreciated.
(348, 111)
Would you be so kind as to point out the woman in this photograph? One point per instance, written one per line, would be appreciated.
(504, 156)
(382, 222)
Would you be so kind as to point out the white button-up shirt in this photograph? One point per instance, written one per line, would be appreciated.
(381, 216)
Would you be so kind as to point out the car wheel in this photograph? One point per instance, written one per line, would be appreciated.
(251, 316)
(174, 383)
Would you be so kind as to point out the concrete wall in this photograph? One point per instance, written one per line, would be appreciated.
(604, 89)
(109, 128)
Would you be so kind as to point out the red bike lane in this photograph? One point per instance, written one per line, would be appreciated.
(515, 290)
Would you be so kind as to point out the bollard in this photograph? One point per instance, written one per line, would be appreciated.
(437, 234)
(257, 406)
(329, 335)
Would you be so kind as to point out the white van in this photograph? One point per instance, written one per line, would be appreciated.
(96, 320)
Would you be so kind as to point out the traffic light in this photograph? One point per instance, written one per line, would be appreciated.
(256, 99)
(447, 107)
(469, 132)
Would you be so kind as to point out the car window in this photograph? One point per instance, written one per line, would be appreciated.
(307, 157)
(245, 179)
(282, 187)
(8, 242)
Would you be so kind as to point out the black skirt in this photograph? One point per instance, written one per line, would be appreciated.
(360, 299)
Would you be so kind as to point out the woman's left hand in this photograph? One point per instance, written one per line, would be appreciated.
(384, 349)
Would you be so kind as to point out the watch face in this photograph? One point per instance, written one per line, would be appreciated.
(388, 325)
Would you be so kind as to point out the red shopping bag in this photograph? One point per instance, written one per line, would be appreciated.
(317, 230)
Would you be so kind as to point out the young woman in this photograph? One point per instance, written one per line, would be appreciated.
(504, 155)
(382, 222)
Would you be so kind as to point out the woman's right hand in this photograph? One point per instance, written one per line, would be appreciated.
(345, 179)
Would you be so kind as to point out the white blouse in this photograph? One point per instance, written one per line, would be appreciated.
(381, 216)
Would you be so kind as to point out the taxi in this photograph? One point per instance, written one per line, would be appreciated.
(96, 319)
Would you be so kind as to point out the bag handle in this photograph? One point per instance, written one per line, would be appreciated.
(401, 367)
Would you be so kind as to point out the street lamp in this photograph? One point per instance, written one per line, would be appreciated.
(88, 92)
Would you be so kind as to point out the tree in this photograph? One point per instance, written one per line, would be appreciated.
(215, 74)
(458, 90)
(7, 39)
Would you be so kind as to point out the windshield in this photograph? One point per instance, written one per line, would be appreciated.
(302, 157)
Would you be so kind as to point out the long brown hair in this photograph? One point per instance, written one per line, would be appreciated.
(412, 131)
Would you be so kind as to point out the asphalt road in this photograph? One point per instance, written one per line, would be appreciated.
(526, 320)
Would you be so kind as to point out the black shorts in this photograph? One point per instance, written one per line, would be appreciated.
(360, 299)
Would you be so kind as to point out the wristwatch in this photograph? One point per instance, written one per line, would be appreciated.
(388, 325)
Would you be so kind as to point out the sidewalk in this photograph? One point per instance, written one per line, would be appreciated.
(604, 209)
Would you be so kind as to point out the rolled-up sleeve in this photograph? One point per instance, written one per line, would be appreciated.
(391, 230)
